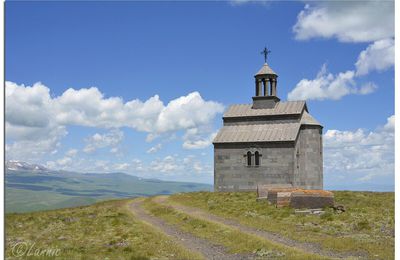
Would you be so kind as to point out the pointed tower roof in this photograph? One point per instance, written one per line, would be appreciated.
(266, 70)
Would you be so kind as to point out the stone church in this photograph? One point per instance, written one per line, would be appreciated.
(268, 142)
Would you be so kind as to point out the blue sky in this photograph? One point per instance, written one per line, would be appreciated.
(177, 57)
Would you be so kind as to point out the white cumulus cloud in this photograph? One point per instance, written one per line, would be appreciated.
(40, 120)
(33, 107)
(367, 153)
(378, 56)
(179, 166)
(121, 166)
(155, 148)
(168, 164)
(67, 162)
(33, 150)
(329, 86)
(71, 152)
(89, 107)
(64, 161)
(348, 21)
(109, 139)
(37, 98)
(197, 139)
(187, 112)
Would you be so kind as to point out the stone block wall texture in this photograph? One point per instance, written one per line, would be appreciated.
(311, 199)
(231, 172)
(262, 190)
(308, 168)
(298, 164)
(300, 198)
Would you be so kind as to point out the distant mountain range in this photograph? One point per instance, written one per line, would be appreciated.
(32, 187)
(13, 165)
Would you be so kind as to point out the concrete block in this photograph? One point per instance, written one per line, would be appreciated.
(311, 199)
(298, 198)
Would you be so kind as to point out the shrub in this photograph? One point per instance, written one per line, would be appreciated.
(362, 225)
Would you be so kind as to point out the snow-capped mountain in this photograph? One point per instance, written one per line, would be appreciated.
(13, 165)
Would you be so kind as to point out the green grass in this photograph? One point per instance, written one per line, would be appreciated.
(232, 239)
(106, 230)
(367, 226)
(109, 230)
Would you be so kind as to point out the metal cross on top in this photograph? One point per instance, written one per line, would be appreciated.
(265, 52)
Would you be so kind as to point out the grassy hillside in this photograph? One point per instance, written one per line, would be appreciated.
(110, 230)
(105, 230)
(367, 226)
(29, 191)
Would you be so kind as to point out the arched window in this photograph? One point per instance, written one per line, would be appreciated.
(248, 158)
(257, 158)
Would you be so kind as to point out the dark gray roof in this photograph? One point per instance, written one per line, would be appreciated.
(281, 108)
(258, 133)
(265, 69)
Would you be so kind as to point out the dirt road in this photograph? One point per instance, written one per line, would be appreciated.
(305, 247)
(189, 241)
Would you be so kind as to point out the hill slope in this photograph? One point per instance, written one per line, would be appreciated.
(105, 230)
(233, 225)
(29, 189)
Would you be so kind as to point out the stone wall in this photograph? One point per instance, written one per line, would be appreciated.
(308, 168)
(231, 172)
(300, 198)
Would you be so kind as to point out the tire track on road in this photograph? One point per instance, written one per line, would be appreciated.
(189, 241)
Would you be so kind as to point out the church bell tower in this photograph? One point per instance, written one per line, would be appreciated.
(265, 80)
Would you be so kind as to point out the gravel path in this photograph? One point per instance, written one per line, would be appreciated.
(189, 241)
(305, 247)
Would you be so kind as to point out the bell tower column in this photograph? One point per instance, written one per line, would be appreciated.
(265, 85)
(273, 87)
(258, 87)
